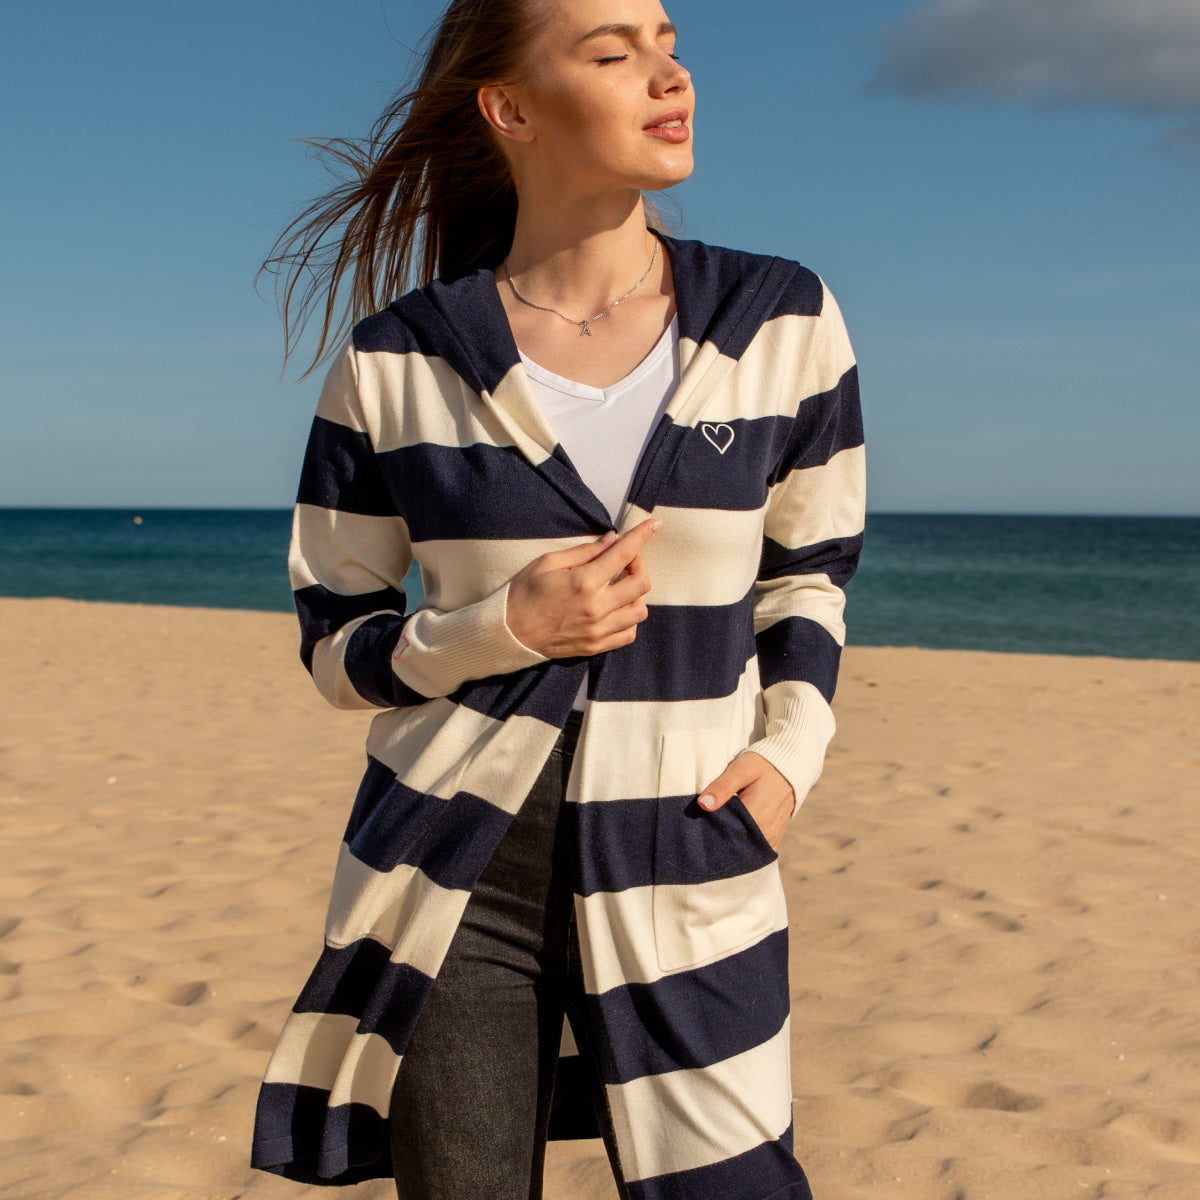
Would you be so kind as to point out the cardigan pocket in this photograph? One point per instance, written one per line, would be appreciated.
(716, 877)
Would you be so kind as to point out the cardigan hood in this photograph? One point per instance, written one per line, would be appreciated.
(428, 444)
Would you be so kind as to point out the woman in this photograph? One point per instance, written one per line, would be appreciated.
(630, 467)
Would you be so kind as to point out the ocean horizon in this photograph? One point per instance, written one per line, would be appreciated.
(1123, 586)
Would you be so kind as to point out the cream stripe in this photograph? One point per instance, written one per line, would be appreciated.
(637, 727)
(385, 905)
(504, 766)
(688, 560)
(417, 398)
(440, 748)
(790, 356)
(310, 1048)
(322, 1050)
(355, 553)
(425, 746)
(462, 571)
(787, 360)
(816, 597)
(699, 555)
(628, 936)
(339, 401)
(367, 1073)
(704, 1115)
(814, 504)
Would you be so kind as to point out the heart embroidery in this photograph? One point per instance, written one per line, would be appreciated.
(720, 437)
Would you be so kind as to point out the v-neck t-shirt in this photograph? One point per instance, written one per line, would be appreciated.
(604, 430)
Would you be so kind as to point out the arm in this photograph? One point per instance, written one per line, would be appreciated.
(348, 556)
(812, 538)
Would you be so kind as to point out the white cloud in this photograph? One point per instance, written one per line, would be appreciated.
(1139, 55)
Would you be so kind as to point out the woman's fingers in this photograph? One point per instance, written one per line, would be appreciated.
(576, 556)
(631, 586)
(613, 561)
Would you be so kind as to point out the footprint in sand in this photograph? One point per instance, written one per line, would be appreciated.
(1172, 1137)
(168, 991)
(940, 1091)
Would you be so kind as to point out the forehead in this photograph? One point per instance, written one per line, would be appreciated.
(569, 22)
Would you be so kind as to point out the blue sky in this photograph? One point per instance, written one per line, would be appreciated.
(1002, 194)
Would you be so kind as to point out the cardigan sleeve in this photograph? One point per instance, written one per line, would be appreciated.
(349, 552)
(812, 539)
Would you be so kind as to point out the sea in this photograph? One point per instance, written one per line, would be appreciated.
(1128, 587)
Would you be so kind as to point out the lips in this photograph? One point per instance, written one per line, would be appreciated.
(670, 127)
(674, 114)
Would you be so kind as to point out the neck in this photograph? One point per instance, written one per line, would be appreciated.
(580, 262)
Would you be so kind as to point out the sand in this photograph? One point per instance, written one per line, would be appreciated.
(995, 933)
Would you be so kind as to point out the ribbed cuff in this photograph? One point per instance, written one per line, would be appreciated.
(438, 652)
(800, 726)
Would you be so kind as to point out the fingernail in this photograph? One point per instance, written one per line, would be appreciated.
(707, 801)
(609, 537)
(655, 526)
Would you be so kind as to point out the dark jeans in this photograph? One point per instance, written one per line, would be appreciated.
(471, 1103)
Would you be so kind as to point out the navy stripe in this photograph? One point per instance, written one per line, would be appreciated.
(837, 558)
(323, 612)
(368, 663)
(800, 649)
(298, 1136)
(769, 1171)
(359, 981)
(340, 471)
(824, 425)
(693, 846)
(387, 333)
(689, 469)
(463, 321)
(478, 491)
(635, 843)
(616, 839)
(546, 692)
(724, 296)
(450, 840)
(694, 1018)
(681, 652)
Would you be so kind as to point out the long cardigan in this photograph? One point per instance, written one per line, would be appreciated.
(429, 444)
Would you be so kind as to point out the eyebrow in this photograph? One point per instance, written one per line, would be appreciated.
(625, 31)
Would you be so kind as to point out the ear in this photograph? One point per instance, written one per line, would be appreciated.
(502, 110)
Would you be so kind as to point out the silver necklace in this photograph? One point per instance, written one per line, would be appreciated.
(589, 320)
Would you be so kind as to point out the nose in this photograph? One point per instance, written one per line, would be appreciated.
(674, 77)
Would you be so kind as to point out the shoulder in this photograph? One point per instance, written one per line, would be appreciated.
(387, 332)
(706, 267)
(427, 319)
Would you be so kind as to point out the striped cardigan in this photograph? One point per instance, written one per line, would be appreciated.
(428, 444)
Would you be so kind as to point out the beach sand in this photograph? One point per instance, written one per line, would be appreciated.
(993, 895)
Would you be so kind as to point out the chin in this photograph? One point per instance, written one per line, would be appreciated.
(665, 177)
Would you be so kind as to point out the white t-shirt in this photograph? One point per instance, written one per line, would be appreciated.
(605, 430)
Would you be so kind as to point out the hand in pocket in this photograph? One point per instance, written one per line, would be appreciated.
(764, 791)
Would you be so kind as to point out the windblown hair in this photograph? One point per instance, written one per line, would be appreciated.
(426, 194)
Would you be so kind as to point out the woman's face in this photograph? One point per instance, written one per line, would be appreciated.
(601, 74)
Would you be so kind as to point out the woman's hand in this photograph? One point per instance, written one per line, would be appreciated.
(585, 600)
(764, 791)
